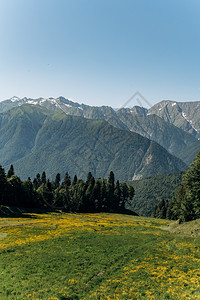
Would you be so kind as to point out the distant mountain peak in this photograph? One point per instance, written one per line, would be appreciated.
(15, 98)
(139, 110)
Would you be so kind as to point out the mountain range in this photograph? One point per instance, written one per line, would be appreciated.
(35, 138)
(62, 135)
(173, 125)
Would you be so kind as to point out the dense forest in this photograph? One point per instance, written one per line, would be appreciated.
(185, 204)
(150, 191)
(77, 195)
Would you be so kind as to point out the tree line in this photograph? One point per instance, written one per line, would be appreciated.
(185, 204)
(77, 195)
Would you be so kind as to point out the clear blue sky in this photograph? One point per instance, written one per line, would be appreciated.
(100, 52)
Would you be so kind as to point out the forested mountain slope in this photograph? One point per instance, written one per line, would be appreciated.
(36, 139)
(174, 125)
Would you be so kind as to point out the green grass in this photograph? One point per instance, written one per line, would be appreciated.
(99, 256)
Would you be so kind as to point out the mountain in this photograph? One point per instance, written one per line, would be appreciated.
(173, 125)
(172, 138)
(35, 139)
(185, 115)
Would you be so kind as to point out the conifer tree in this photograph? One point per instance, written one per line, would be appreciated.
(57, 181)
(125, 194)
(3, 186)
(117, 194)
(97, 195)
(104, 195)
(90, 179)
(191, 180)
(74, 180)
(186, 202)
(10, 172)
(110, 187)
(37, 181)
(67, 180)
(15, 191)
(28, 194)
(43, 178)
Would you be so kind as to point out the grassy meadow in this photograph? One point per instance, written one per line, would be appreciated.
(98, 256)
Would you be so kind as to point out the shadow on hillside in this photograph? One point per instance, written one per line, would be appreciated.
(125, 211)
(19, 212)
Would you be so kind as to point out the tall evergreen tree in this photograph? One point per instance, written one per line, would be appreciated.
(37, 181)
(15, 191)
(191, 180)
(28, 193)
(104, 195)
(11, 172)
(43, 178)
(57, 181)
(186, 202)
(67, 180)
(90, 178)
(74, 180)
(110, 188)
(124, 193)
(3, 186)
(89, 195)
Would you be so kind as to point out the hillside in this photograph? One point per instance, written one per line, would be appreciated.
(149, 191)
(35, 139)
(98, 256)
(188, 154)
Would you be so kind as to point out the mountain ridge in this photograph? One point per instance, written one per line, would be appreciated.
(165, 123)
(39, 139)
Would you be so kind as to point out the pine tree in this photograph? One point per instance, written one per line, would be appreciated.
(80, 195)
(97, 195)
(37, 181)
(131, 193)
(3, 186)
(89, 195)
(90, 179)
(111, 179)
(191, 181)
(28, 194)
(67, 180)
(117, 194)
(186, 202)
(10, 172)
(74, 180)
(104, 195)
(15, 191)
(44, 179)
(125, 194)
(110, 189)
(57, 181)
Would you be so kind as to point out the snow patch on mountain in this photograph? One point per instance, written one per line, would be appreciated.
(68, 105)
(14, 99)
(43, 100)
(31, 102)
(189, 121)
